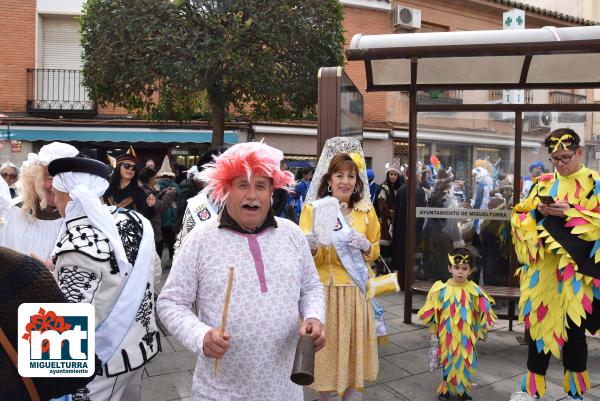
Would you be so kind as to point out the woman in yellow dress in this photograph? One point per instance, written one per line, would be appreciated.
(350, 354)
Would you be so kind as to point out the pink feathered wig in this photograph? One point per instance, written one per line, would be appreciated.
(249, 159)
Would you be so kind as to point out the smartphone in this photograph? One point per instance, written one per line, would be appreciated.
(547, 200)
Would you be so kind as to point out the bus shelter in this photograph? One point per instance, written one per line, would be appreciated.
(521, 63)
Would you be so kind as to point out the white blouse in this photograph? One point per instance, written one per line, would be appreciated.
(29, 235)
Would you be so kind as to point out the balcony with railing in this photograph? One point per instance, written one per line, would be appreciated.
(440, 97)
(497, 95)
(57, 91)
(559, 97)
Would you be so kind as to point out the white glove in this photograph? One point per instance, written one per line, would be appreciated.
(360, 241)
(433, 361)
(313, 243)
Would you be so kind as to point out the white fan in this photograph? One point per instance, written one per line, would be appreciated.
(325, 213)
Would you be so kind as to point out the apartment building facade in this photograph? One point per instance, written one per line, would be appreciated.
(42, 98)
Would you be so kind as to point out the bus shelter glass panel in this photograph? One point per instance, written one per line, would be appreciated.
(464, 195)
(351, 109)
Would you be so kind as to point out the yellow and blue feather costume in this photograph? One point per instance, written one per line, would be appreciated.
(552, 289)
(556, 291)
(460, 314)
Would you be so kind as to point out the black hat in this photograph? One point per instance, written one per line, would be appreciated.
(78, 165)
(146, 174)
(207, 157)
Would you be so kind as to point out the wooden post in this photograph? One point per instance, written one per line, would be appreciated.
(328, 107)
(411, 193)
(225, 311)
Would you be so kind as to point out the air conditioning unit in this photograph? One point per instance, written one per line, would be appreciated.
(555, 120)
(545, 119)
(406, 17)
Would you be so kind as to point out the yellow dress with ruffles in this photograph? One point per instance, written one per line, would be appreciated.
(553, 292)
(350, 354)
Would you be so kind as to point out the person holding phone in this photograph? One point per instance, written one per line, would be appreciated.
(557, 243)
(546, 199)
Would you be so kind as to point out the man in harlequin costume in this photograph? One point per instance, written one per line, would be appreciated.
(557, 240)
(458, 313)
(106, 257)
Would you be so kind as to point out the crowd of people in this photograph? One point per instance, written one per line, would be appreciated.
(162, 197)
(262, 258)
(437, 187)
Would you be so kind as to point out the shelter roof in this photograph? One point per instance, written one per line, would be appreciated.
(548, 57)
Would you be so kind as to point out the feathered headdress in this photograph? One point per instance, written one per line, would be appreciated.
(244, 159)
(485, 164)
(435, 163)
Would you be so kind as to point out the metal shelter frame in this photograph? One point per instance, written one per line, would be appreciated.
(546, 58)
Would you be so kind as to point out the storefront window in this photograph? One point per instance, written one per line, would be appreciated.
(401, 151)
(188, 155)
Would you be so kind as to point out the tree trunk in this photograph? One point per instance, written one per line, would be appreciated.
(218, 122)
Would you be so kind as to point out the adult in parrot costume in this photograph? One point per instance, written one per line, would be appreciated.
(557, 241)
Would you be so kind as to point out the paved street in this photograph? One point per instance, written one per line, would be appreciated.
(403, 374)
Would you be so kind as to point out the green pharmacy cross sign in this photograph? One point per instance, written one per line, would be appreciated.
(519, 20)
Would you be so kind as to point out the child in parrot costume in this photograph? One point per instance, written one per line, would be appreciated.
(458, 313)
(558, 244)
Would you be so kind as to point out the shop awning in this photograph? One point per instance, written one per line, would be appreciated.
(107, 134)
(548, 57)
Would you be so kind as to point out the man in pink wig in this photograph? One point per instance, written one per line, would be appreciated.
(275, 284)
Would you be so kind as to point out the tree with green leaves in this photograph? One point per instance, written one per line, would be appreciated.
(173, 59)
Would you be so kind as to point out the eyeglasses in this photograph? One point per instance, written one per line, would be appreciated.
(129, 166)
(564, 159)
(9, 176)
